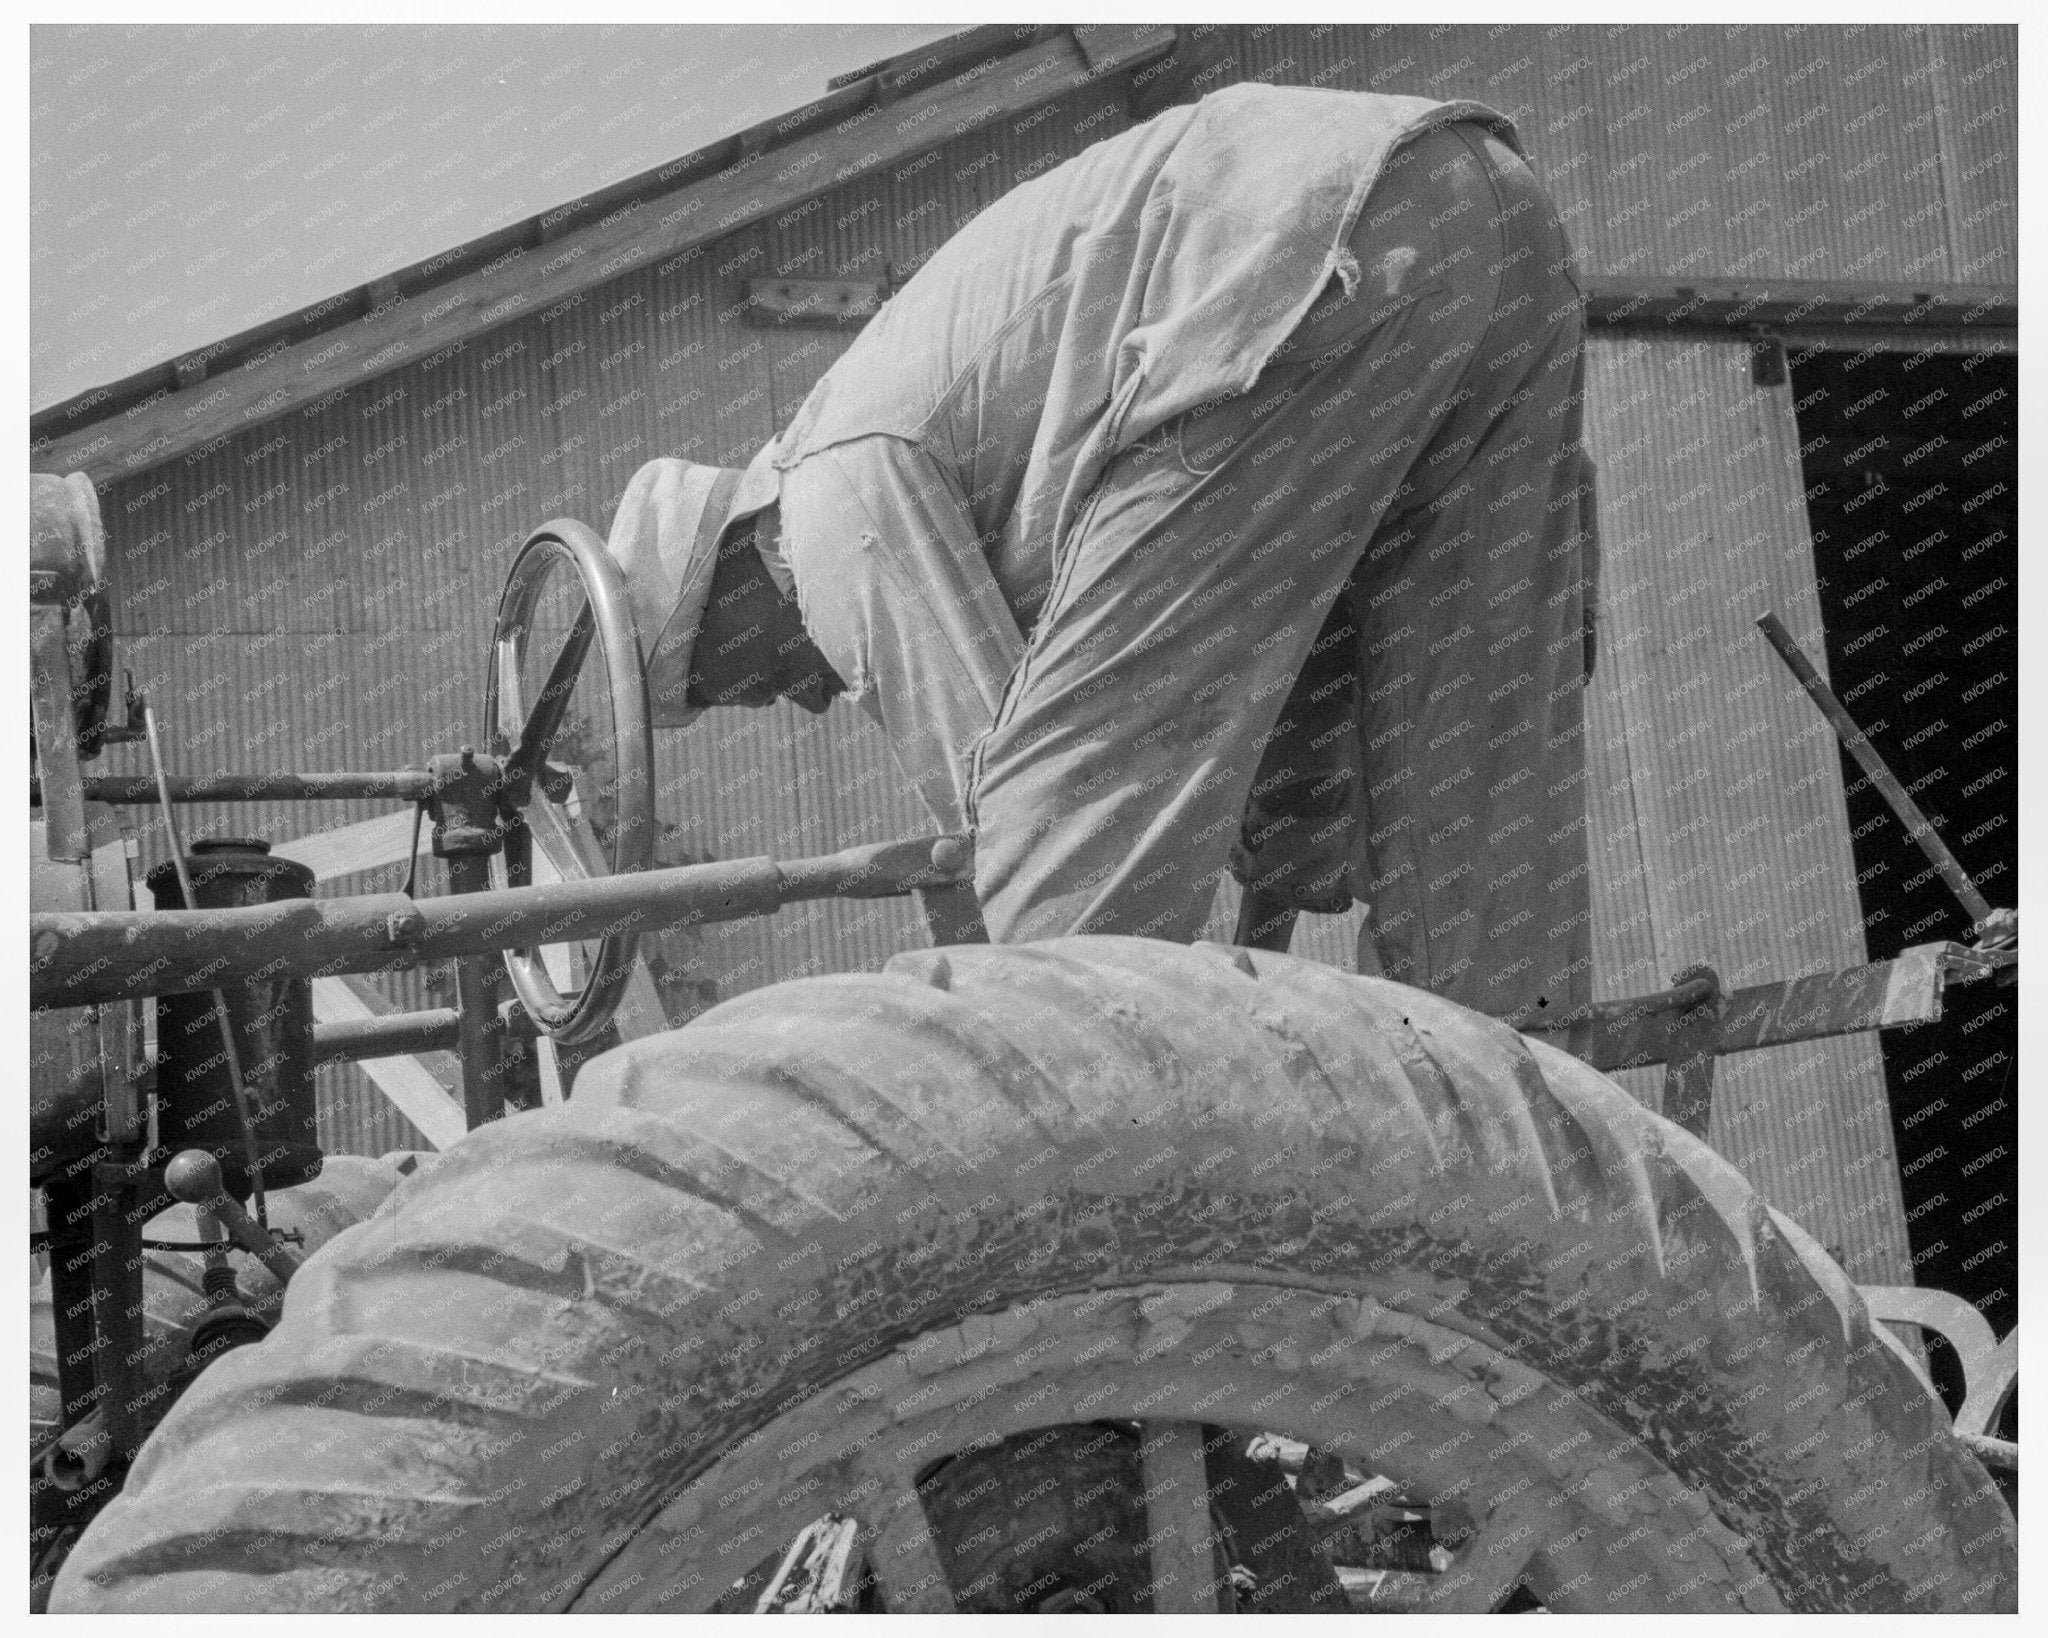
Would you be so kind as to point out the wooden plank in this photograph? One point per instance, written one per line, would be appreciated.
(906, 68)
(346, 849)
(524, 280)
(1109, 46)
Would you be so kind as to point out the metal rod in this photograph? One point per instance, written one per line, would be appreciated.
(68, 1201)
(395, 785)
(394, 1035)
(476, 1005)
(117, 1303)
(243, 1110)
(1662, 306)
(1876, 772)
(79, 957)
(545, 722)
(194, 1177)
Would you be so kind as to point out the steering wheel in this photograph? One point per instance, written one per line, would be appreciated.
(574, 731)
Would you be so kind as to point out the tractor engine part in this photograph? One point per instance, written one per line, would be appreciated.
(80, 1471)
(80, 1456)
(273, 1027)
(226, 1324)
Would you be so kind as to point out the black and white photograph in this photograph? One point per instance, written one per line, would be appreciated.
(1023, 817)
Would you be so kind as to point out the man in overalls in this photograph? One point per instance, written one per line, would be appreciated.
(1213, 501)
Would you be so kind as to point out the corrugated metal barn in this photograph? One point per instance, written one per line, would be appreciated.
(309, 524)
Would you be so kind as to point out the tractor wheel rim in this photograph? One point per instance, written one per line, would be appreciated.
(1555, 1497)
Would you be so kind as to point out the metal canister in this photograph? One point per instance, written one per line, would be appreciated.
(273, 1029)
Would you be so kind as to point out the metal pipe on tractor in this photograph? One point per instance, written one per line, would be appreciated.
(77, 959)
(139, 790)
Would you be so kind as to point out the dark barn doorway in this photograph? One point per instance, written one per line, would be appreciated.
(1911, 468)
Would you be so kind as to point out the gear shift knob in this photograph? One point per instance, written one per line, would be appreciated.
(194, 1177)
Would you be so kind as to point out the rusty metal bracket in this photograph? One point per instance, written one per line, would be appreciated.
(465, 804)
(1638, 1032)
(1680, 1028)
(1690, 1049)
(469, 830)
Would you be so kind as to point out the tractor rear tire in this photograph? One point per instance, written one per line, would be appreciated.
(778, 1262)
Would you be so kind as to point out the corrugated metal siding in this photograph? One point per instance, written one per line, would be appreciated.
(356, 1119)
(1800, 152)
(1976, 80)
(1716, 784)
(338, 567)
(296, 700)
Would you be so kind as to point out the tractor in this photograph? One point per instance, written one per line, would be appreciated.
(1092, 1275)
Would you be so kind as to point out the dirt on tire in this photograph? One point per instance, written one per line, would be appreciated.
(477, 1398)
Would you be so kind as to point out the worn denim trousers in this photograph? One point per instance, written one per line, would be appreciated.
(1405, 483)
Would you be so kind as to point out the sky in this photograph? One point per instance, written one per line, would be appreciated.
(189, 181)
